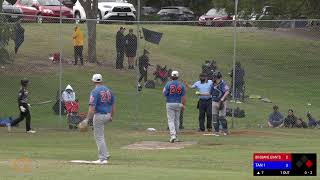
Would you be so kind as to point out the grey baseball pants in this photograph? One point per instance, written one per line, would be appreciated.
(99, 121)
(219, 117)
(173, 115)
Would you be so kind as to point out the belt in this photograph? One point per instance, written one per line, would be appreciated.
(101, 113)
(205, 99)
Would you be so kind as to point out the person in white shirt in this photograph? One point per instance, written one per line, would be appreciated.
(68, 94)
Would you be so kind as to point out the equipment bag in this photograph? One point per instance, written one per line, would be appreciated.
(5, 121)
(239, 113)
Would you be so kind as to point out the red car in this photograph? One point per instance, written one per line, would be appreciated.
(38, 10)
(215, 17)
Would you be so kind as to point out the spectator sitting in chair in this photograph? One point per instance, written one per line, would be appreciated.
(69, 101)
(275, 118)
(162, 73)
(312, 123)
(68, 94)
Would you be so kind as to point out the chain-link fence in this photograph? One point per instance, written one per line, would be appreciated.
(275, 63)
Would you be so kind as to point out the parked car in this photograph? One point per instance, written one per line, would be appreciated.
(176, 13)
(67, 3)
(14, 13)
(268, 13)
(244, 19)
(108, 10)
(146, 11)
(215, 17)
(41, 10)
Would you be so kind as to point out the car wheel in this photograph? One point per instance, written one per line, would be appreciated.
(99, 17)
(78, 17)
(39, 19)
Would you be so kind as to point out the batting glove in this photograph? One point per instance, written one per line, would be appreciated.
(22, 109)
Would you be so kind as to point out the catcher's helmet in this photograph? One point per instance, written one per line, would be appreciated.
(217, 75)
(24, 82)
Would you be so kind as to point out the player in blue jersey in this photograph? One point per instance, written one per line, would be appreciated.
(174, 91)
(219, 92)
(101, 109)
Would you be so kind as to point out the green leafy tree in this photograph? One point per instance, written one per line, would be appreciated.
(5, 35)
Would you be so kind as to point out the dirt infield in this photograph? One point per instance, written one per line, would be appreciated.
(247, 133)
(157, 145)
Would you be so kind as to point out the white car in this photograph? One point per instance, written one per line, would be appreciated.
(108, 10)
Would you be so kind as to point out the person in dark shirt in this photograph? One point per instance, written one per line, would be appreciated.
(209, 68)
(23, 103)
(131, 48)
(143, 66)
(292, 121)
(120, 47)
(239, 81)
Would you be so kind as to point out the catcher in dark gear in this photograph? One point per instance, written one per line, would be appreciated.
(219, 92)
(23, 103)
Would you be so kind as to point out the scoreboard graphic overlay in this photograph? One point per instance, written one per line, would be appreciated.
(285, 164)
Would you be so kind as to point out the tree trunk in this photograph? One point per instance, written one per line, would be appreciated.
(1, 1)
(91, 8)
(92, 32)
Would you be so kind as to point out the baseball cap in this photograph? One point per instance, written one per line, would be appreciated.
(97, 78)
(175, 74)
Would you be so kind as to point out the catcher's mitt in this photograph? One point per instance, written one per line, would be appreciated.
(83, 125)
(221, 105)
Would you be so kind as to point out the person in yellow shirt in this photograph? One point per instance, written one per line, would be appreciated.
(78, 45)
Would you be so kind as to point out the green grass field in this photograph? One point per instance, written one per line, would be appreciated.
(278, 65)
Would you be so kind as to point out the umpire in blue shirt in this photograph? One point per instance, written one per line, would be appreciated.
(203, 87)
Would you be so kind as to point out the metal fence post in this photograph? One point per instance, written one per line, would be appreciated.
(234, 59)
(60, 63)
(137, 68)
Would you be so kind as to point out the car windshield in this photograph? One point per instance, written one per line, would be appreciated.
(215, 12)
(49, 2)
(169, 10)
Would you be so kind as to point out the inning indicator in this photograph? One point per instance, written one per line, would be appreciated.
(285, 164)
